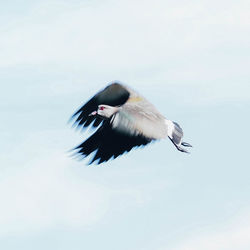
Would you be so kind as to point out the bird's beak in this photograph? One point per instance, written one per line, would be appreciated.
(93, 113)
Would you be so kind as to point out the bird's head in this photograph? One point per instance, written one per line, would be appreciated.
(105, 111)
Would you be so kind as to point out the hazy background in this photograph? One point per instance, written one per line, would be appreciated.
(191, 59)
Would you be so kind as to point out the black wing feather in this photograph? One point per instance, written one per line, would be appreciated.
(108, 143)
(114, 95)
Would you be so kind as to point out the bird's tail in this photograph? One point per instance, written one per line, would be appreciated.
(175, 134)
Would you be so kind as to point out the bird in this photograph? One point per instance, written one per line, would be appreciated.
(123, 120)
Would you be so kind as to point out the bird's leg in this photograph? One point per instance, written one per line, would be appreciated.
(185, 144)
(179, 147)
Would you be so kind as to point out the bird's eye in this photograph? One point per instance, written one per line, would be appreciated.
(101, 108)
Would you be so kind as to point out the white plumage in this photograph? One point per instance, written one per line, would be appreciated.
(129, 120)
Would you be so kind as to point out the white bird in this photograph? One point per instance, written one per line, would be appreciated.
(128, 120)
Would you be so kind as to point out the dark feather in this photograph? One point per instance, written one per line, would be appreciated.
(114, 95)
(108, 143)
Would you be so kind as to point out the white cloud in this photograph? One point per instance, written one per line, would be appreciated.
(41, 188)
(232, 235)
(45, 194)
(194, 44)
(119, 34)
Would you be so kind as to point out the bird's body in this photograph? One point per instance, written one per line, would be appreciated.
(129, 120)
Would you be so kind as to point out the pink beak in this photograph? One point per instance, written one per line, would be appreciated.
(93, 113)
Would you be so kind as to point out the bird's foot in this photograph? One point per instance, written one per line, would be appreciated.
(185, 144)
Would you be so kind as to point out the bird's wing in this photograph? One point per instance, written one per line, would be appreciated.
(114, 94)
(138, 116)
(109, 142)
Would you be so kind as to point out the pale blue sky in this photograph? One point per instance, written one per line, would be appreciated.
(191, 59)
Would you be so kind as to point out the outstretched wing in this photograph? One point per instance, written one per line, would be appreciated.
(109, 142)
(114, 95)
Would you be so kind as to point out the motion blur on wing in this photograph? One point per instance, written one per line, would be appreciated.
(126, 120)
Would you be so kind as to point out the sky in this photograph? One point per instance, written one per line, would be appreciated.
(191, 59)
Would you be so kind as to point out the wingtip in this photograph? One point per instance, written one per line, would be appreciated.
(71, 120)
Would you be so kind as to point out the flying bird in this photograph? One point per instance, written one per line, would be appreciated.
(125, 120)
